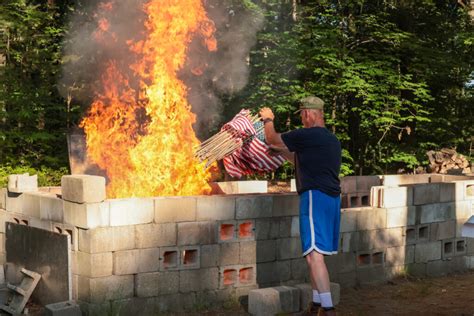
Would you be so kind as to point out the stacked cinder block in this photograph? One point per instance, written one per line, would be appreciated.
(356, 190)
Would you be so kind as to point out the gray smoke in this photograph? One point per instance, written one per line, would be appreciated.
(225, 71)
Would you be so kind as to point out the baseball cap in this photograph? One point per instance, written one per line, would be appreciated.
(311, 102)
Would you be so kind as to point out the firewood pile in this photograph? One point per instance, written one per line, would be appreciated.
(448, 161)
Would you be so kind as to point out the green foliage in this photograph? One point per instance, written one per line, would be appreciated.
(46, 176)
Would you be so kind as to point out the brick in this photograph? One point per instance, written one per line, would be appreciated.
(229, 254)
(51, 208)
(198, 280)
(285, 227)
(131, 211)
(13, 202)
(266, 250)
(210, 255)
(426, 193)
(215, 208)
(156, 283)
(31, 204)
(175, 209)
(401, 216)
(443, 230)
(348, 221)
(106, 239)
(136, 261)
(83, 188)
(267, 228)
(428, 252)
(371, 218)
(253, 207)
(288, 248)
(20, 183)
(155, 235)
(86, 215)
(439, 212)
(276, 300)
(286, 205)
(295, 226)
(98, 290)
(94, 265)
(248, 252)
(195, 233)
(396, 197)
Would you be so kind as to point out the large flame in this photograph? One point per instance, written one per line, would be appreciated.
(143, 137)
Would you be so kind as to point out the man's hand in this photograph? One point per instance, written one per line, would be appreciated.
(266, 113)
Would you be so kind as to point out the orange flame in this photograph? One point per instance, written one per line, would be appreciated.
(143, 137)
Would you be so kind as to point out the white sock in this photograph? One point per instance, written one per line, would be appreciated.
(326, 300)
(316, 298)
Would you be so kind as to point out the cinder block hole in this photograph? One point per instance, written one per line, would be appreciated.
(227, 231)
(365, 200)
(190, 256)
(353, 201)
(448, 247)
(470, 190)
(377, 258)
(423, 232)
(410, 234)
(363, 259)
(16, 220)
(24, 222)
(460, 246)
(58, 230)
(229, 276)
(170, 259)
(246, 230)
(246, 275)
(69, 232)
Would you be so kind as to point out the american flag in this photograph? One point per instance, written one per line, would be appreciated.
(252, 157)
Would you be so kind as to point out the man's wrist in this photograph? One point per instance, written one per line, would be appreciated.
(265, 121)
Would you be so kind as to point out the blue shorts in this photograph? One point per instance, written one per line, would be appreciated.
(320, 216)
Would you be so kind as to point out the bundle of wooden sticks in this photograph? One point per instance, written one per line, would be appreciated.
(226, 142)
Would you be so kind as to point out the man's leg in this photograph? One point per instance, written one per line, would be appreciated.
(320, 278)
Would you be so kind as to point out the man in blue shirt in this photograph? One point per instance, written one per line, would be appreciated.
(316, 154)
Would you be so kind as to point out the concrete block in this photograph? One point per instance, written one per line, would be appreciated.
(271, 301)
(94, 265)
(381, 238)
(243, 187)
(438, 268)
(190, 257)
(194, 233)
(136, 261)
(285, 227)
(401, 216)
(289, 248)
(395, 197)
(286, 205)
(227, 231)
(131, 211)
(448, 249)
(460, 246)
(68, 308)
(423, 233)
(83, 188)
(198, 280)
(266, 250)
(299, 270)
(13, 202)
(210, 255)
(397, 180)
(365, 183)
(105, 239)
(156, 283)
(396, 256)
(273, 272)
(293, 185)
(177, 302)
(464, 209)
(135, 306)
(349, 242)
(427, 252)
(175, 209)
(470, 246)
(371, 218)
(229, 254)
(267, 228)
(464, 190)
(447, 192)
(229, 276)
(156, 235)
(215, 208)
(439, 212)
(3, 198)
(348, 221)
(247, 275)
(170, 258)
(245, 230)
(20, 183)
(87, 215)
(295, 226)
(426, 193)
(253, 206)
(51, 208)
(348, 184)
(31, 204)
(98, 290)
(248, 252)
(371, 275)
(443, 230)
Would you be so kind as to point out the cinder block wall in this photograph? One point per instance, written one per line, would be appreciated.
(143, 256)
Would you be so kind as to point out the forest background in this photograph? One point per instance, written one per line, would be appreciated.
(397, 78)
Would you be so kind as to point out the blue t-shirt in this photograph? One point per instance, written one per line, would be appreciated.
(317, 159)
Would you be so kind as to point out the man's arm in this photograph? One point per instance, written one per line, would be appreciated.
(271, 136)
(283, 151)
